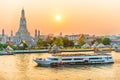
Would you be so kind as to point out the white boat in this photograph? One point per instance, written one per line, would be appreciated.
(54, 49)
(6, 53)
(117, 49)
(61, 59)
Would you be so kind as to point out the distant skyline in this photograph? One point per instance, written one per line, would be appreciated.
(99, 17)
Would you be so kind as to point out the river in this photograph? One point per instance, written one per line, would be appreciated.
(22, 67)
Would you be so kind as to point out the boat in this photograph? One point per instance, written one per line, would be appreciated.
(69, 59)
(117, 49)
(54, 49)
(6, 53)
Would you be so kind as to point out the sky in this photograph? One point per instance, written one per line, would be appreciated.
(99, 17)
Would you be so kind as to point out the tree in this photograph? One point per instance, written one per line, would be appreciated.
(71, 43)
(58, 41)
(4, 45)
(99, 40)
(13, 47)
(93, 41)
(81, 43)
(49, 39)
(67, 42)
(1, 46)
(106, 41)
(41, 43)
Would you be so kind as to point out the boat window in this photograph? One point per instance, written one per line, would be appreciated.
(97, 61)
(78, 58)
(95, 58)
(53, 58)
(66, 59)
(110, 57)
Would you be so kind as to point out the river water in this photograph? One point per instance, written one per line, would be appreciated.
(22, 67)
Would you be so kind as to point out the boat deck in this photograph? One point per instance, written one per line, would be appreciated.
(98, 54)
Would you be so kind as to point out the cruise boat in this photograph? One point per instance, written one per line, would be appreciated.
(69, 59)
(117, 49)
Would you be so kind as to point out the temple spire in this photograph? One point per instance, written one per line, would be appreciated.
(22, 13)
(23, 26)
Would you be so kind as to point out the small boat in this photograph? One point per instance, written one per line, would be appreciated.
(117, 49)
(6, 53)
(54, 49)
(70, 59)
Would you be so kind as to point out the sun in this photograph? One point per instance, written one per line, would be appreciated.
(58, 18)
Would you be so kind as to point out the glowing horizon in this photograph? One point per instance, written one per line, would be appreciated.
(99, 17)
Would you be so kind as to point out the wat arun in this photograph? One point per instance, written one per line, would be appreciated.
(22, 34)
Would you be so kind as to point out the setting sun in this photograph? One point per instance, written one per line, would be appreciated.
(58, 17)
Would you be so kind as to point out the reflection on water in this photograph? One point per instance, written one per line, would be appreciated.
(22, 63)
(22, 67)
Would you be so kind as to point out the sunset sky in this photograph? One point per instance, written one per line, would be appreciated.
(100, 17)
